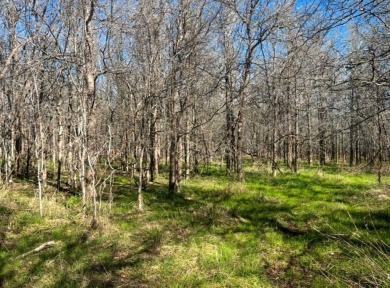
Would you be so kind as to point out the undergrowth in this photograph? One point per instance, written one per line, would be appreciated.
(317, 228)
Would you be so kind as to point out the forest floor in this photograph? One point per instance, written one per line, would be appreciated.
(318, 228)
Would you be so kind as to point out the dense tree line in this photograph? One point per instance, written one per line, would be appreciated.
(92, 88)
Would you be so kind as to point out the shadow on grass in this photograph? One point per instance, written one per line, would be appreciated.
(86, 259)
(296, 198)
(312, 205)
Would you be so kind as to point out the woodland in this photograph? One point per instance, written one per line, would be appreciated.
(195, 143)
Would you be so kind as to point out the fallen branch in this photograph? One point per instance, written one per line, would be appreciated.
(275, 166)
(39, 248)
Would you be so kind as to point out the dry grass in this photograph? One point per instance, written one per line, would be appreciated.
(217, 233)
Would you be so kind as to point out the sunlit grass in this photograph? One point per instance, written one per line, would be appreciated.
(316, 228)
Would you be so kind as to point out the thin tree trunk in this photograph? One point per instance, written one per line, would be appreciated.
(309, 140)
(187, 152)
(240, 175)
(274, 138)
(60, 145)
(321, 142)
(380, 146)
(140, 181)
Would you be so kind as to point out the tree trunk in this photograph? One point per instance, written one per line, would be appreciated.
(140, 181)
(274, 139)
(321, 142)
(240, 175)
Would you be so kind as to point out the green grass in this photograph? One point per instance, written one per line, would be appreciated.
(318, 228)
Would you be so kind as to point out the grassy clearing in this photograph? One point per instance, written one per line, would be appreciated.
(317, 228)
